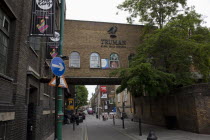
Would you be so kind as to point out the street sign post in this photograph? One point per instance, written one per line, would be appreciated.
(57, 66)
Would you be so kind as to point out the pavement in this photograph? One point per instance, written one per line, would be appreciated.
(95, 129)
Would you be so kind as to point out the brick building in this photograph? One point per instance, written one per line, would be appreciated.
(97, 48)
(125, 97)
(88, 43)
(26, 104)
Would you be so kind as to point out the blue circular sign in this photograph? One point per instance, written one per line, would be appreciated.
(57, 66)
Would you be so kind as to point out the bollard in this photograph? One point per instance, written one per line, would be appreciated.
(152, 136)
(73, 125)
(113, 120)
(123, 123)
(140, 132)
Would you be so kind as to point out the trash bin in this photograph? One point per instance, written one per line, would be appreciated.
(171, 122)
(97, 116)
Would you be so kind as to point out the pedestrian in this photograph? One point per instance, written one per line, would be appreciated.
(77, 119)
(103, 118)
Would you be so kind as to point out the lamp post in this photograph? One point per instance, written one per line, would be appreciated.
(59, 96)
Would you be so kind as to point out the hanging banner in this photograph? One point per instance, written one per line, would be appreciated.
(53, 46)
(42, 18)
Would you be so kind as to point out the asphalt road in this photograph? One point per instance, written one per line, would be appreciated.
(100, 130)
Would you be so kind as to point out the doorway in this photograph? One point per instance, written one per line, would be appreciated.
(31, 112)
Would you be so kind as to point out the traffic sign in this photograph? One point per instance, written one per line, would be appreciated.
(62, 84)
(57, 66)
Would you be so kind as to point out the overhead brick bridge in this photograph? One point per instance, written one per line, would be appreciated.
(96, 48)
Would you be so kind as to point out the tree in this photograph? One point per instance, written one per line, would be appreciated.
(82, 95)
(152, 11)
(175, 55)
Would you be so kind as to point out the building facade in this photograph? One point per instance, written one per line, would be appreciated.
(96, 48)
(26, 104)
(125, 97)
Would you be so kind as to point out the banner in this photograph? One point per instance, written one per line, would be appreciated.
(104, 63)
(42, 18)
(53, 46)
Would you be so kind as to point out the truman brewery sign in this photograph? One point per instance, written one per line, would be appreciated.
(113, 43)
(106, 43)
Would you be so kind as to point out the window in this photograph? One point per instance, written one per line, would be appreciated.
(35, 43)
(4, 41)
(111, 100)
(114, 60)
(74, 61)
(118, 98)
(94, 60)
(6, 24)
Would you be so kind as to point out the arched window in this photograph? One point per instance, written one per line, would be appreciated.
(94, 60)
(114, 60)
(74, 60)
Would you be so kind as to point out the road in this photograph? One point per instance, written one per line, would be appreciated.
(95, 129)
(100, 130)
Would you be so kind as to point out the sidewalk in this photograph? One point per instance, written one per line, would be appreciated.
(80, 132)
(132, 130)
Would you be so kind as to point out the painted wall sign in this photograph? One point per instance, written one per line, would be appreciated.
(107, 43)
(42, 21)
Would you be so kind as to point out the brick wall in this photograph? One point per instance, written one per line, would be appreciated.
(85, 37)
(190, 105)
(15, 84)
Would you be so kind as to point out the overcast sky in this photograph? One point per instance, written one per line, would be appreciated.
(105, 11)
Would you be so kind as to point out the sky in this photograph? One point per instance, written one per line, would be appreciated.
(105, 11)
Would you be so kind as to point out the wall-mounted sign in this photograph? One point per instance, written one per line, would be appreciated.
(107, 43)
(112, 31)
(42, 18)
(56, 37)
(103, 89)
(104, 63)
(104, 95)
(70, 104)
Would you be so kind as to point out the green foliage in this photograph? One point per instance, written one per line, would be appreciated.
(152, 11)
(82, 95)
(174, 55)
(143, 78)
